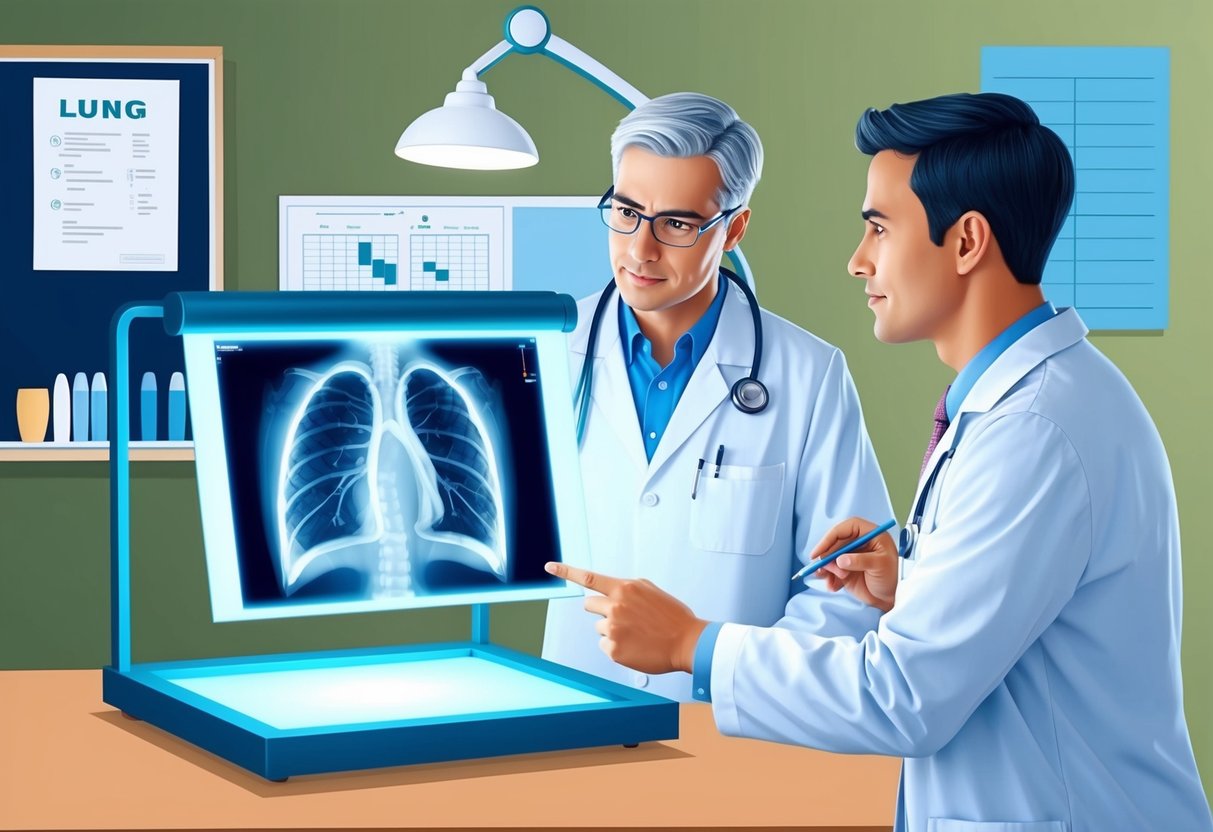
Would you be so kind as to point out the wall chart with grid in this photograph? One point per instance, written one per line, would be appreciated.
(1111, 106)
(350, 262)
(451, 262)
(446, 243)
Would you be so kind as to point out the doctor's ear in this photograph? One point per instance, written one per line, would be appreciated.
(737, 226)
(972, 242)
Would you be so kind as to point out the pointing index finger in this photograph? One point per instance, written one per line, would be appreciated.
(583, 577)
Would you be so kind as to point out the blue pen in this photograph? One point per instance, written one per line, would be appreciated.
(850, 547)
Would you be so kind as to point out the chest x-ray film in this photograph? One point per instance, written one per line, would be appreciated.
(346, 472)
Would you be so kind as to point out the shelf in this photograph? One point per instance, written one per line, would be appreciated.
(93, 451)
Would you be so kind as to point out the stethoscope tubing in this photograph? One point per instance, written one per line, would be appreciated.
(751, 385)
(909, 535)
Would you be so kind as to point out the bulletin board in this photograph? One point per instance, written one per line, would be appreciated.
(56, 303)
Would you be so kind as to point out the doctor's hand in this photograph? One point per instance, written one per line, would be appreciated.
(869, 573)
(642, 627)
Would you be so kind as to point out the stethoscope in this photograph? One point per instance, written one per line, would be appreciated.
(909, 535)
(749, 395)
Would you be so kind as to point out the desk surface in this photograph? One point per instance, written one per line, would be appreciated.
(69, 761)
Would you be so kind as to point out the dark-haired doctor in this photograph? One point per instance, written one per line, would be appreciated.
(1027, 665)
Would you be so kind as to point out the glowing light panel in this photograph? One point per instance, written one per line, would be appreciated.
(419, 689)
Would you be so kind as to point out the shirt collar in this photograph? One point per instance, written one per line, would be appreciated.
(698, 336)
(981, 362)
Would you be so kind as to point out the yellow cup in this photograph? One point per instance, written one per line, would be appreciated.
(33, 413)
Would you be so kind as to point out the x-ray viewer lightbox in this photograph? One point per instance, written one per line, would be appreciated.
(353, 471)
(355, 453)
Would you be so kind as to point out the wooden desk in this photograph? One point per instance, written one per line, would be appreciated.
(69, 761)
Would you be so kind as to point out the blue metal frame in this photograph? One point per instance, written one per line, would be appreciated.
(146, 691)
(480, 624)
(120, 481)
(627, 717)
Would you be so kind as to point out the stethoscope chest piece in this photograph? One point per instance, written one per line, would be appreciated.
(750, 395)
(909, 536)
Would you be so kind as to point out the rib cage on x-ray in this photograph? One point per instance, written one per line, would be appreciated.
(327, 488)
(440, 419)
(380, 491)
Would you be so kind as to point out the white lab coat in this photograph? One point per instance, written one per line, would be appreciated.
(788, 474)
(1030, 668)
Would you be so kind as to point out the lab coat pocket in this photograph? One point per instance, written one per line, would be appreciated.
(737, 512)
(949, 825)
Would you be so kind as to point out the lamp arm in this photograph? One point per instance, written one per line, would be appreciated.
(534, 35)
(487, 61)
(563, 52)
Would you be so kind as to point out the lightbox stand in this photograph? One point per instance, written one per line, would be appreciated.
(193, 699)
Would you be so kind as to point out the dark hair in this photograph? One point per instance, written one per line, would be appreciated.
(988, 153)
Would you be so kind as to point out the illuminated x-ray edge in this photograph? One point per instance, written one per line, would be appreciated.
(214, 487)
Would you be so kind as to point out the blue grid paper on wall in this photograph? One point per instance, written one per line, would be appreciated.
(1111, 106)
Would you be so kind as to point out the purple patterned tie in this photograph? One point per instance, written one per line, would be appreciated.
(941, 425)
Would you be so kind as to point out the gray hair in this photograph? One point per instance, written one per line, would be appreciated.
(684, 124)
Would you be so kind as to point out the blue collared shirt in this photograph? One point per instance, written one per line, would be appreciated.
(655, 389)
(701, 674)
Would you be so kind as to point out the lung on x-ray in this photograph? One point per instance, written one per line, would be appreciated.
(385, 473)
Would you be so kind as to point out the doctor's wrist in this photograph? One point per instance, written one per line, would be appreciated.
(684, 658)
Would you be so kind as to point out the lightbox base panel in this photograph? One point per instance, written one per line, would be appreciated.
(281, 716)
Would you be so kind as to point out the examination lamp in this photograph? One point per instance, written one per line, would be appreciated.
(469, 132)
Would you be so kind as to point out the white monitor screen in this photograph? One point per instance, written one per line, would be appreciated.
(344, 474)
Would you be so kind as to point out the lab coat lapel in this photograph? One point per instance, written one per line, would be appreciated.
(1060, 332)
(732, 345)
(612, 394)
(1051, 337)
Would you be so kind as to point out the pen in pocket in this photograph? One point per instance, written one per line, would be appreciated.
(695, 484)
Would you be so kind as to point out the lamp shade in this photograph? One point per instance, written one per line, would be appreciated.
(469, 132)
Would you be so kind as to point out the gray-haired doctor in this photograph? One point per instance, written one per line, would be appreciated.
(714, 491)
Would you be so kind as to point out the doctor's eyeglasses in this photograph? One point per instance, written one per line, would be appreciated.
(670, 229)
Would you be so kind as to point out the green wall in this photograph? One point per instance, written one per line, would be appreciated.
(316, 94)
